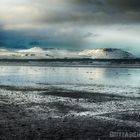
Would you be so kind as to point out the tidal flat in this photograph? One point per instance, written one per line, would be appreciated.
(68, 102)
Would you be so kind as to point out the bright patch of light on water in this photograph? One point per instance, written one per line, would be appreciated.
(121, 81)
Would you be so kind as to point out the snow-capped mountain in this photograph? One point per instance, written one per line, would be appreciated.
(39, 53)
(32, 50)
(106, 53)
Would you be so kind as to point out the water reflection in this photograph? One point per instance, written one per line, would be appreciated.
(26, 75)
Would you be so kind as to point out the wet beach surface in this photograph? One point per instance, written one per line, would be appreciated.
(47, 104)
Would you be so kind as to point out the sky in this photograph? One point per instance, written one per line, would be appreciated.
(70, 24)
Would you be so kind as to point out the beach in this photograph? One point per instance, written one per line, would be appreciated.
(69, 103)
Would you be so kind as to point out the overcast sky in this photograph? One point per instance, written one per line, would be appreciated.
(71, 23)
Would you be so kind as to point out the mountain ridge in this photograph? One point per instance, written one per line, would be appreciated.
(40, 53)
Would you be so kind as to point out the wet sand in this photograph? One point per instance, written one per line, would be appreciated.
(52, 113)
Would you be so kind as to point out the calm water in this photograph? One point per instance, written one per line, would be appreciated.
(30, 76)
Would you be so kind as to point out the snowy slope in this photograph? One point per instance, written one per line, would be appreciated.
(106, 53)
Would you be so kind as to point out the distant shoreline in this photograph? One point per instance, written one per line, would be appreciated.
(72, 59)
(111, 63)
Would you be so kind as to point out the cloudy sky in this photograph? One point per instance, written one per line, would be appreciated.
(70, 23)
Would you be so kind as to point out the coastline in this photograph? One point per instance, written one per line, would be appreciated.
(103, 63)
(33, 107)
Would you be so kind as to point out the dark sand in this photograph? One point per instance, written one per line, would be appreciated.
(57, 114)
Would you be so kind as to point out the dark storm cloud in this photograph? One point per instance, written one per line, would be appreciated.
(90, 12)
(29, 13)
(126, 4)
(108, 11)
